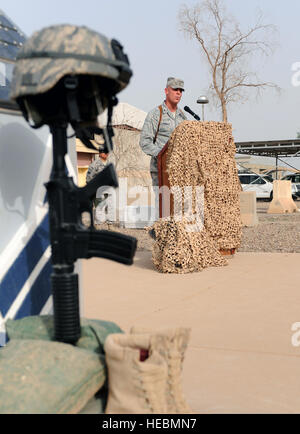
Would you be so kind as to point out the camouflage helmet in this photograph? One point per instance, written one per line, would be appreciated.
(61, 51)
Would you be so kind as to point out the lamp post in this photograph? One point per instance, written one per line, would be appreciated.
(202, 100)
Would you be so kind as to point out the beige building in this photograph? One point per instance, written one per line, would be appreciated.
(245, 162)
(130, 161)
(132, 164)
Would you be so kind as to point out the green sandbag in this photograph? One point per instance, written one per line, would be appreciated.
(93, 332)
(44, 377)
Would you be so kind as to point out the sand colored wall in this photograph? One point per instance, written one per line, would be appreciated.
(282, 198)
(248, 208)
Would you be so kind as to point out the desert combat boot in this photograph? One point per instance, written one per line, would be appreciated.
(171, 345)
(136, 376)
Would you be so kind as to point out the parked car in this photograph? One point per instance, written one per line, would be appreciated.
(295, 179)
(263, 185)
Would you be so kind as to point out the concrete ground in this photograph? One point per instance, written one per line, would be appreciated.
(241, 357)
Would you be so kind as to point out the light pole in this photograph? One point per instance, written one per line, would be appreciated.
(202, 100)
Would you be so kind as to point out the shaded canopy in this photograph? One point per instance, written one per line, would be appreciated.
(282, 148)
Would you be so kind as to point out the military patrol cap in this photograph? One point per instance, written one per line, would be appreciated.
(57, 51)
(175, 83)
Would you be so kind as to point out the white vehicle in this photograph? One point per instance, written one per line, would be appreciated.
(295, 180)
(262, 186)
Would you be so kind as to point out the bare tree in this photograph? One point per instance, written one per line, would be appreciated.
(227, 49)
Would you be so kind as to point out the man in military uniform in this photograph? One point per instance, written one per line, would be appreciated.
(104, 207)
(160, 124)
(96, 166)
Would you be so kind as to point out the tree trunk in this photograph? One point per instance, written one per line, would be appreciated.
(224, 110)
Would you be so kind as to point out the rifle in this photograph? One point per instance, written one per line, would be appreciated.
(71, 240)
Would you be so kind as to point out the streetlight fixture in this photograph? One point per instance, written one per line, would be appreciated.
(202, 100)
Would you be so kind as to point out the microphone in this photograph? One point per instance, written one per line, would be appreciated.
(187, 109)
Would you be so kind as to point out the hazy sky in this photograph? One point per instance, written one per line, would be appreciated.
(149, 32)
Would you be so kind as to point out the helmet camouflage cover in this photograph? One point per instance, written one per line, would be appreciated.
(57, 51)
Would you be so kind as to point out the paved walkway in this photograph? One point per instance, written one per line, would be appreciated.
(240, 358)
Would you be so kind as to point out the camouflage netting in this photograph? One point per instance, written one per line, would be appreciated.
(200, 154)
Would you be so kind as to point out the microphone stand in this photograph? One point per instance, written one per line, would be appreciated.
(188, 110)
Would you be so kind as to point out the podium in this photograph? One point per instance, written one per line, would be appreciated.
(216, 143)
(166, 201)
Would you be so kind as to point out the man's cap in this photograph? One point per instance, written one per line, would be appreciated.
(175, 83)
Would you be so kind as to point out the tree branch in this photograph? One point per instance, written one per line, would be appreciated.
(226, 48)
